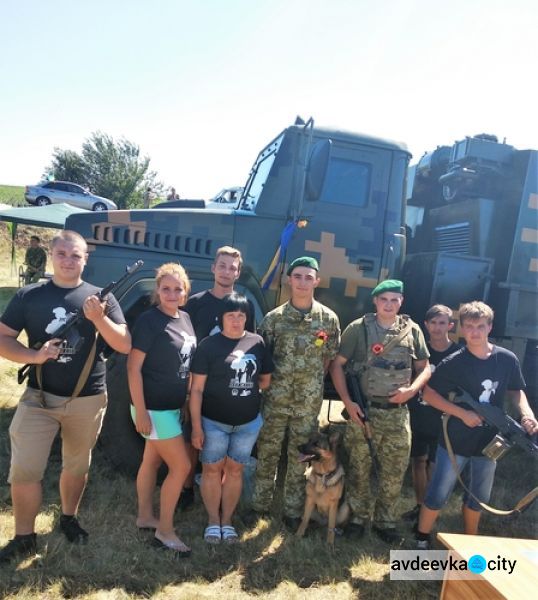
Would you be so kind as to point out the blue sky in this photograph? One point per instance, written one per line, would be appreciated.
(201, 86)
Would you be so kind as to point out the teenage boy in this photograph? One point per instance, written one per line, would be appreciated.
(488, 373)
(426, 420)
(205, 310)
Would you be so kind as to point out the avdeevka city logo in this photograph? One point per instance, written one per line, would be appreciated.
(477, 563)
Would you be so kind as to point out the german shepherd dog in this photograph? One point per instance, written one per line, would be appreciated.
(324, 483)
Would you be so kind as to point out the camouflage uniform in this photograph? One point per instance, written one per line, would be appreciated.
(36, 260)
(293, 401)
(390, 426)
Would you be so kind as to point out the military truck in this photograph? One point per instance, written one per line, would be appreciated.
(343, 198)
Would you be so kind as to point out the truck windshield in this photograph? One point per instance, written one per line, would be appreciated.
(259, 173)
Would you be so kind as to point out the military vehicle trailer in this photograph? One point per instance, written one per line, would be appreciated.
(342, 198)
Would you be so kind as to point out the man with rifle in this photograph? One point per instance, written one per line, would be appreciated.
(487, 373)
(66, 388)
(387, 353)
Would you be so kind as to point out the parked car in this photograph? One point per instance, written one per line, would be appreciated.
(55, 192)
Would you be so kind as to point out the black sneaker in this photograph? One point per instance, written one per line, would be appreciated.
(354, 531)
(20, 545)
(291, 523)
(186, 500)
(72, 530)
(412, 515)
(388, 535)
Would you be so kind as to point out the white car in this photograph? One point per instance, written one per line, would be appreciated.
(56, 192)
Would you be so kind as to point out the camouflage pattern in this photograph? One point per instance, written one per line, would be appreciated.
(36, 261)
(380, 373)
(391, 434)
(300, 344)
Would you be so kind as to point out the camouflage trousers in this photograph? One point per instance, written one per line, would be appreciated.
(391, 435)
(276, 423)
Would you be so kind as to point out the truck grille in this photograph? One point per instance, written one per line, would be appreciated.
(453, 238)
(133, 236)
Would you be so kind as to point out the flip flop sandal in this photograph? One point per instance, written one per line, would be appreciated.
(179, 550)
(229, 534)
(212, 534)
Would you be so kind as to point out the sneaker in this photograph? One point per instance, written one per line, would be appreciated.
(354, 531)
(423, 544)
(72, 530)
(412, 515)
(20, 545)
(423, 540)
(186, 500)
(389, 535)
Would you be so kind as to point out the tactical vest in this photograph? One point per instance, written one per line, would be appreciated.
(390, 365)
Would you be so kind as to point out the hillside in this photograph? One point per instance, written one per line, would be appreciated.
(12, 194)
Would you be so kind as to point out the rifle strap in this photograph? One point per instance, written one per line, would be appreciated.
(82, 378)
(526, 501)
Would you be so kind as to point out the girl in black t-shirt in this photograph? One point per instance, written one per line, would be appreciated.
(228, 371)
(158, 370)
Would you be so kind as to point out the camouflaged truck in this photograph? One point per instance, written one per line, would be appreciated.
(343, 198)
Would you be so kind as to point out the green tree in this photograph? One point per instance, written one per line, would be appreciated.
(113, 169)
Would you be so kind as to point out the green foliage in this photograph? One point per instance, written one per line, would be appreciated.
(109, 168)
(12, 194)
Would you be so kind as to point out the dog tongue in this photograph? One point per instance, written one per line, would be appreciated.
(305, 457)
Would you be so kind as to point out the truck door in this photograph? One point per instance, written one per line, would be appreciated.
(348, 227)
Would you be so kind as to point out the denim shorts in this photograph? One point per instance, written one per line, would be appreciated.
(479, 479)
(235, 441)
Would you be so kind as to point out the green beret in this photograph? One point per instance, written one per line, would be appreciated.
(303, 261)
(389, 285)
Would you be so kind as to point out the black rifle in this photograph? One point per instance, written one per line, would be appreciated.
(77, 317)
(356, 396)
(509, 429)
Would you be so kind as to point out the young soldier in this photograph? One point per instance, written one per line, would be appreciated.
(35, 260)
(205, 310)
(66, 390)
(426, 420)
(488, 373)
(388, 354)
(304, 336)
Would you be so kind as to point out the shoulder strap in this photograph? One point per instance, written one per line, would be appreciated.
(524, 503)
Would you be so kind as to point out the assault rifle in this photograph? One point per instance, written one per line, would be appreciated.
(356, 396)
(77, 317)
(510, 431)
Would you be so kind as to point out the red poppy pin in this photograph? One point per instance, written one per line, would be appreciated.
(321, 338)
(377, 348)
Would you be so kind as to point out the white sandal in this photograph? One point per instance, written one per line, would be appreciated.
(212, 534)
(229, 534)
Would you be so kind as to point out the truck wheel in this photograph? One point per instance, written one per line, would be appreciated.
(119, 440)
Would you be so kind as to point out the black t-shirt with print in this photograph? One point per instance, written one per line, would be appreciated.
(486, 380)
(425, 419)
(231, 393)
(169, 344)
(40, 309)
(205, 310)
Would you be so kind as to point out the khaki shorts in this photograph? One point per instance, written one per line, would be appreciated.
(34, 428)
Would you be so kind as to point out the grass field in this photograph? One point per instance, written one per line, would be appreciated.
(118, 562)
(12, 194)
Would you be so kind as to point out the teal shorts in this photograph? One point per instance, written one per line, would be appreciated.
(165, 424)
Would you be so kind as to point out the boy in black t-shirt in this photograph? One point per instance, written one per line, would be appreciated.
(205, 310)
(426, 420)
(488, 373)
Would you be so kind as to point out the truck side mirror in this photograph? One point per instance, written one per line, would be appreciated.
(316, 170)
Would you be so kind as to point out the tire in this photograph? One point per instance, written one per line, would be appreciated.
(42, 201)
(119, 440)
(99, 207)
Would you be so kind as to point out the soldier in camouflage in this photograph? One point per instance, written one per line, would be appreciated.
(304, 336)
(388, 354)
(35, 260)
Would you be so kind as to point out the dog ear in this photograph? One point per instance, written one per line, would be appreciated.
(335, 437)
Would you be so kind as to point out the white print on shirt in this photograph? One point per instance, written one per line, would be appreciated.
(72, 342)
(216, 329)
(489, 389)
(245, 367)
(185, 355)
